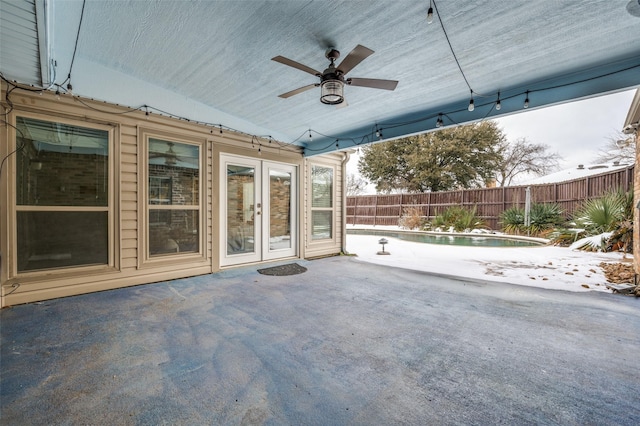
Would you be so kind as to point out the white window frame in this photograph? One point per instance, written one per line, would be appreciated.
(312, 209)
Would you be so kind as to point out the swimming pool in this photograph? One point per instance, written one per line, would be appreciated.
(480, 240)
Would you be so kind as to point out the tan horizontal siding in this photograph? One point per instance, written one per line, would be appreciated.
(127, 266)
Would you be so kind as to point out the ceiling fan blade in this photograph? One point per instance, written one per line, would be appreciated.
(296, 65)
(298, 90)
(357, 55)
(373, 83)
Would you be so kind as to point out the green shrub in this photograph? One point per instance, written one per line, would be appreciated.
(543, 217)
(603, 214)
(512, 220)
(460, 218)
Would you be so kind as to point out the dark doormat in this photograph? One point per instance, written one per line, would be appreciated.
(282, 270)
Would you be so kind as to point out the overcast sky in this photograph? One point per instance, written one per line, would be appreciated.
(575, 130)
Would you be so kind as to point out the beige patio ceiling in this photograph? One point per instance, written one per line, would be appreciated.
(210, 61)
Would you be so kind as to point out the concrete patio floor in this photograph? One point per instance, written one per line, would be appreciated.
(344, 343)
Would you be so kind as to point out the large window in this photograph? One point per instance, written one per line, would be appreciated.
(173, 197)
(321, 202)
(62, 195)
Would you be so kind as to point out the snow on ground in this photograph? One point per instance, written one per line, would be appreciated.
(558, 268)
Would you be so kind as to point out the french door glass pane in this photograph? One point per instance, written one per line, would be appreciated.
(280, 210)
(240, 209)
(61, 239)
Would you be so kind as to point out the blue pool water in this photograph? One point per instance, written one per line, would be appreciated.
(448, 239)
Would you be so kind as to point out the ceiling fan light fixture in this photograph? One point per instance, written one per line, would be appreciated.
(332, 92)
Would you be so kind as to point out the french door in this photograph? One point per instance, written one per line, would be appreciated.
(257, 210)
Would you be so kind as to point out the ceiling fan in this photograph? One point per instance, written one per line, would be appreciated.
(332, 79)
(170, 156)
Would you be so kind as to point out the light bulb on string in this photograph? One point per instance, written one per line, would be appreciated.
(430, 13)
(471, 104)
(498, 103)
(310, 137)
(439, 121)
(526, 101)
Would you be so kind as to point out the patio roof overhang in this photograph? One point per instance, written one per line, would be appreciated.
(210, 61)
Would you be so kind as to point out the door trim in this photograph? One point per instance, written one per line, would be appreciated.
(261, 227)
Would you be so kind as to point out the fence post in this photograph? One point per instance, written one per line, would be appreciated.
(588, 195)
(355, 210)
(375, 211)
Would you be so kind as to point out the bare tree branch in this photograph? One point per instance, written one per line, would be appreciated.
(522, 157)
(621, 148)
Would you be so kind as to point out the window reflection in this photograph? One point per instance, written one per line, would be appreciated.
(61, 165)
(321, 203)
(173, 197)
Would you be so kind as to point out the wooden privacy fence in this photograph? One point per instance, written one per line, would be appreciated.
(489, 202)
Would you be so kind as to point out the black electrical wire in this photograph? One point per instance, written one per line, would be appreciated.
(75, 48)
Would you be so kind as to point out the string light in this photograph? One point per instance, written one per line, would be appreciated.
(310, 137)
(471, 105)
(526, 100)
(337, 144)
(58, 93)
(430, 13)
(498, 104)
(439, 122)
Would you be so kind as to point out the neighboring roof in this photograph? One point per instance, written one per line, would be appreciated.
(211, 61)
(632, 122)
(581, 171)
